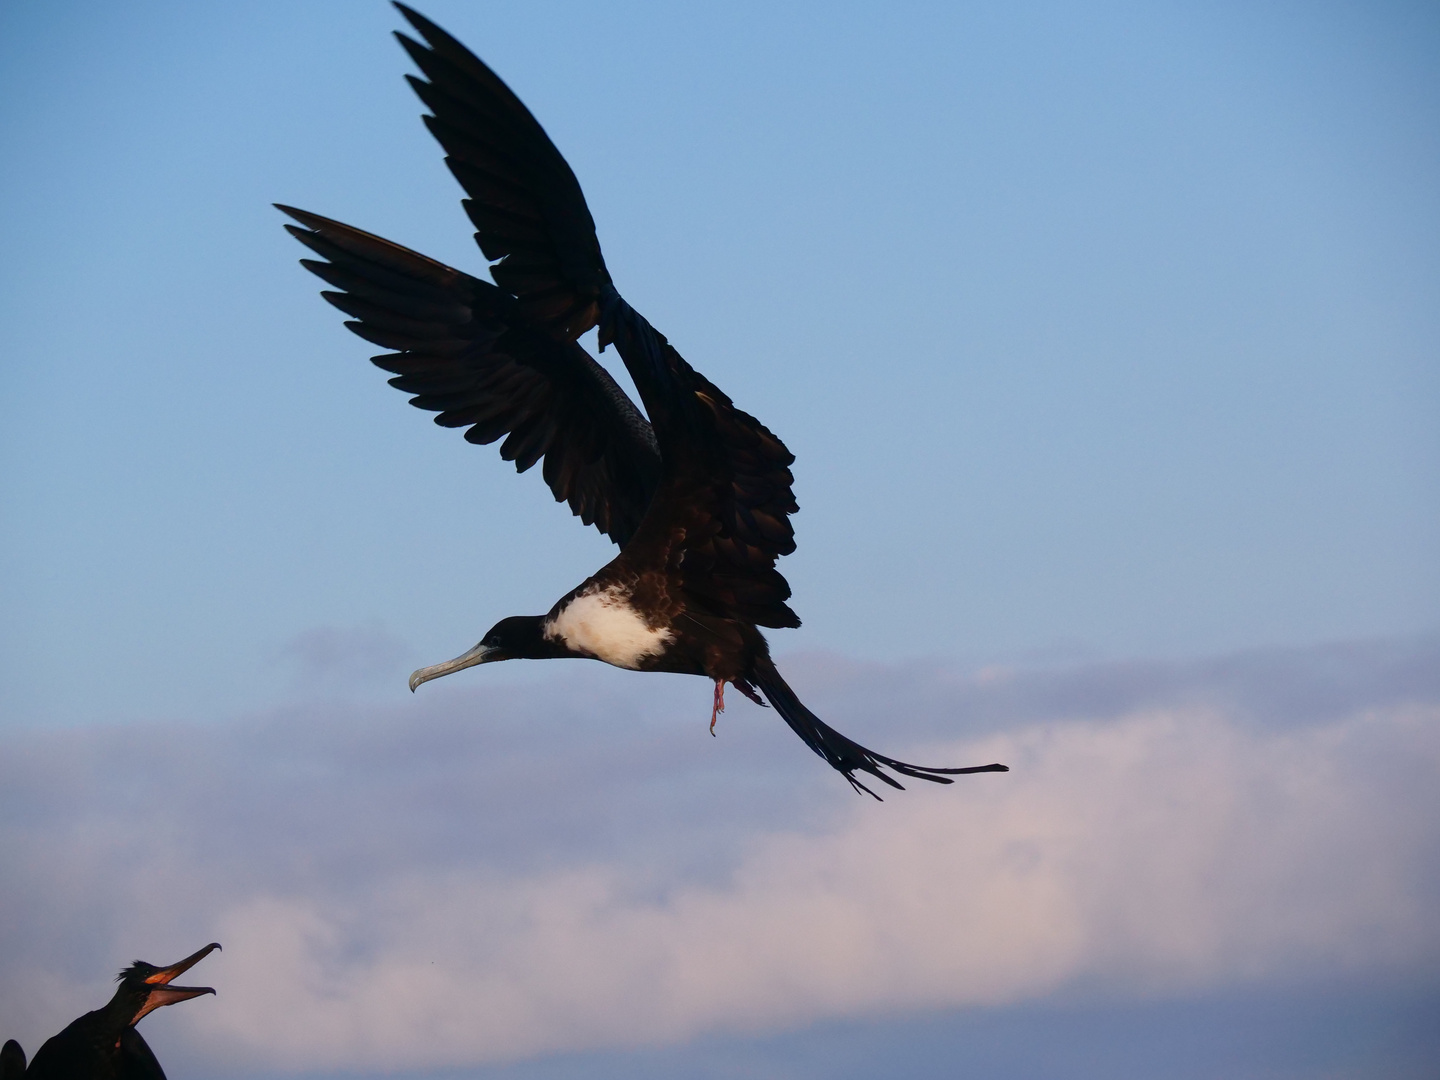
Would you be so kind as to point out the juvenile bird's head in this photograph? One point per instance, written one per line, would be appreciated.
(144, 987)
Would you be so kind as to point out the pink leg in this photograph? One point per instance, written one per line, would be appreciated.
(719, 703)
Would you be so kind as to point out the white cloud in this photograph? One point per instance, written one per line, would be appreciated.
(1153, 851)
(1159, 851)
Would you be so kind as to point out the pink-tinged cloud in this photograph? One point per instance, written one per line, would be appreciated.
(627, 900)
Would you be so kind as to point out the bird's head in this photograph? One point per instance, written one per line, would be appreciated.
(520, 637)
(144, 987)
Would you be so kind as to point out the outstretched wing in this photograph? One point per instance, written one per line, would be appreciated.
(724, 472)
(732, 567)
(465, 352)
(721, 516)
(527, 207)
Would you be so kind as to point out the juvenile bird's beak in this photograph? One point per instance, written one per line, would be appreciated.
(480, 654)
(168, 995)
(163, 993)
(167, 975)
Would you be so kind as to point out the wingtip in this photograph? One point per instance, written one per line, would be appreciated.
(314, 223)
(423, 26)
(437, 42)
(305, 218)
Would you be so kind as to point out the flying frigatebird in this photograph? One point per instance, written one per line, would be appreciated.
(103, 1044)
(698, 496)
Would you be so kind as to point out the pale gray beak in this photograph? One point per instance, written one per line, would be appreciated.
(478, 655)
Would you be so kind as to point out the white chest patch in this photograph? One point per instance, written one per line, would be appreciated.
(604, 625)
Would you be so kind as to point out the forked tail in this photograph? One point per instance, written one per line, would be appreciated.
(843, 754)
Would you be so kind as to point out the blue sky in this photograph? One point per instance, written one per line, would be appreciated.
(1103, 330)
(1105, 336)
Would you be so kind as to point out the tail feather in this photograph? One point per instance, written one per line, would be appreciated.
(842, 754)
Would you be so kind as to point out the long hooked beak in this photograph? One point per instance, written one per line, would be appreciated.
(167, 975)
(168, 995)
(480, 654)
(165, 993)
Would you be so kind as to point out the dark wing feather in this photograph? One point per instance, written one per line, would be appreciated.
(722, 513)
(464, 351)
(725, 473)
(136, 1060)
(526, 205)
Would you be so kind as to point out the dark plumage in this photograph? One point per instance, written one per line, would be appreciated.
(104, 1045)
(12, 1061)
(698, 497)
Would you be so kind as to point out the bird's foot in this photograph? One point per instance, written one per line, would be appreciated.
(719, 703)
(749, 691)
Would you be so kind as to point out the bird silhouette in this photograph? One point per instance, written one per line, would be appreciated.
(695, 491)
(103, 1044)
(12, 1061)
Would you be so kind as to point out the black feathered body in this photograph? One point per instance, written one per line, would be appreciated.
(12, 1061)
(100, 1045)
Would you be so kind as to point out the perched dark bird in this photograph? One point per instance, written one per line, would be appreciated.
(698, 496)
(12, 1061)
(104, 1044)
